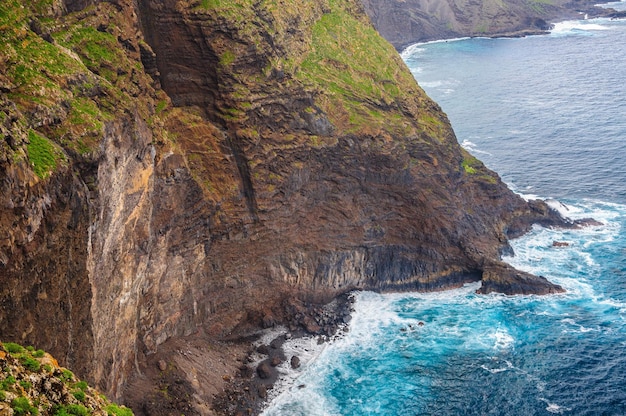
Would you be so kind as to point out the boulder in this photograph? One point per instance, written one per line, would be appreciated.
(264, 371)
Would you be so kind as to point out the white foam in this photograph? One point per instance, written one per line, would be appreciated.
(579, 327)
(535, 253)
(418, 47)
(307, 350)
(553, 407)
(503, 340)
(614, 304)
(577, 26)
(431, 84)
(412, 50)
(558, 206)
(509, 366)
(471, 147)
(301, 402)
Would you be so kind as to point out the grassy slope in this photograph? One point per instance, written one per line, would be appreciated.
(63, 78)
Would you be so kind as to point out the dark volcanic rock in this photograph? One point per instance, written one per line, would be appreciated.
(264, 371)
(505, 279)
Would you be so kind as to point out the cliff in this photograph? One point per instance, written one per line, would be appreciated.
(404, 22)
(175, 174)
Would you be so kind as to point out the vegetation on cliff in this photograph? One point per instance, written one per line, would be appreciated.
(33, 383)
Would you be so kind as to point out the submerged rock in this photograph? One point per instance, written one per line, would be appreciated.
(560, 244)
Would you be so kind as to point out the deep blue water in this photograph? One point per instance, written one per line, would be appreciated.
(548, 113)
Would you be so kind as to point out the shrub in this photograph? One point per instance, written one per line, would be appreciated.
(26, 385)
(3, 396)
(67, 375)
(13, 348)
(30, 363)
(22, 406)
(7, 383)
(70, 410)
(79, 395)
(39, 353)
(115, 410)
(81, 385)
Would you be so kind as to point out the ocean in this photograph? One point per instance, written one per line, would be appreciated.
(548, 113)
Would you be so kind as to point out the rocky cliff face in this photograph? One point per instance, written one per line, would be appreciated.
(404, 22)
(180, 172)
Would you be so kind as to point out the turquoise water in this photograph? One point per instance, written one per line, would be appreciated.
(549, 114)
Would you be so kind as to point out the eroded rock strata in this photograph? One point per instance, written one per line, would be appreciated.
(178, 174)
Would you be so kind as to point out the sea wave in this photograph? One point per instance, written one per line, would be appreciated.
(571, 27)
(417, 47)
(473, 147)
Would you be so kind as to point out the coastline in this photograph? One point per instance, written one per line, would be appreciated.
(278, 354)
(602, 9)
(307, 346)
(618, 14)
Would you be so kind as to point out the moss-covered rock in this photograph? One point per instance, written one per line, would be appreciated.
(33, 383)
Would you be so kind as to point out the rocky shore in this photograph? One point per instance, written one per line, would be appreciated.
(247, 393)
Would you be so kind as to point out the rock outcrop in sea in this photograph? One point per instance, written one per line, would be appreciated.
(175, 175)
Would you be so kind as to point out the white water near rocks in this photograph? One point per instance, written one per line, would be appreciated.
(549, 114)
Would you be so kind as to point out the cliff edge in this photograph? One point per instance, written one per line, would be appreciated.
(181, 173)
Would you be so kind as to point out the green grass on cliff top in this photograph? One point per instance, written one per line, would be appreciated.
(70, 73)
(352, 63)
(361, 76)
(351, 59)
